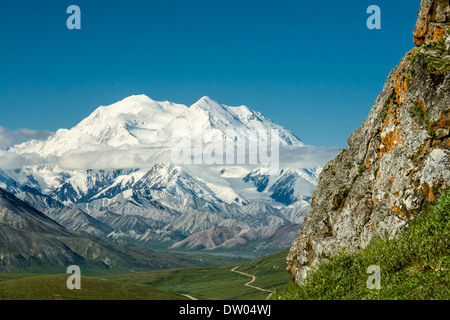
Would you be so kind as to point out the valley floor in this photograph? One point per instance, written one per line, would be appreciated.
(255, 280)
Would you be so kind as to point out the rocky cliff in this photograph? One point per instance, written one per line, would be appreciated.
(398, 160)
(433, 20)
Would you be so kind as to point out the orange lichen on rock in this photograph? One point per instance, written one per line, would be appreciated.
(401, 85)
(421, 104)
(389, 141)
(397, 211)
(392, 138)
(423, 19)
(428, 192)
(392, 180)
(438, 33)
(367, 163)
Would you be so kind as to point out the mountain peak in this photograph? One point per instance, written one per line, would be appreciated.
(130, 105)
(208, 104)
(206, 99)
(138, 98)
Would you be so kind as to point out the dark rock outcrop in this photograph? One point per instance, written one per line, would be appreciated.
(395, 163)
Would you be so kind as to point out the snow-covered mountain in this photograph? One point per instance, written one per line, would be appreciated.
(133, 121)
(217, 119)
(112, 175)
(141, 122)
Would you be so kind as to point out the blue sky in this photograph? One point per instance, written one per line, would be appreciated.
(311, 66)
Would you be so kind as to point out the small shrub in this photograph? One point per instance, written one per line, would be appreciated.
(417, 111)
(375, 172)
(408, 82)
(437, 66)
(386, 106)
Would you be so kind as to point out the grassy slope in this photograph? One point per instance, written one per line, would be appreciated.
(128, 260)
(217, 283)
(415, 265)
(202, 282)
(53, 287)
(270, 271)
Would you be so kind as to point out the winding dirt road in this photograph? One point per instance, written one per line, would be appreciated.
(249, 284)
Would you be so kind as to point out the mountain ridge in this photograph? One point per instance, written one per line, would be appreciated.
(31, 241)
(122, 185)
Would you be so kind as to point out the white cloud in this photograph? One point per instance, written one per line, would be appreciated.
(10, 160)
(102, 156)
(106, 157)
(9, 138)
(307, 156)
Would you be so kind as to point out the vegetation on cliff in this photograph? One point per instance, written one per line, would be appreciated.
(414, 265)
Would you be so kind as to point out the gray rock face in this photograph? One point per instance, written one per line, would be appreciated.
(394, 165)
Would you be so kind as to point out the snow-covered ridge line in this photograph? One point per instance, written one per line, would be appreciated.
(140, 122)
